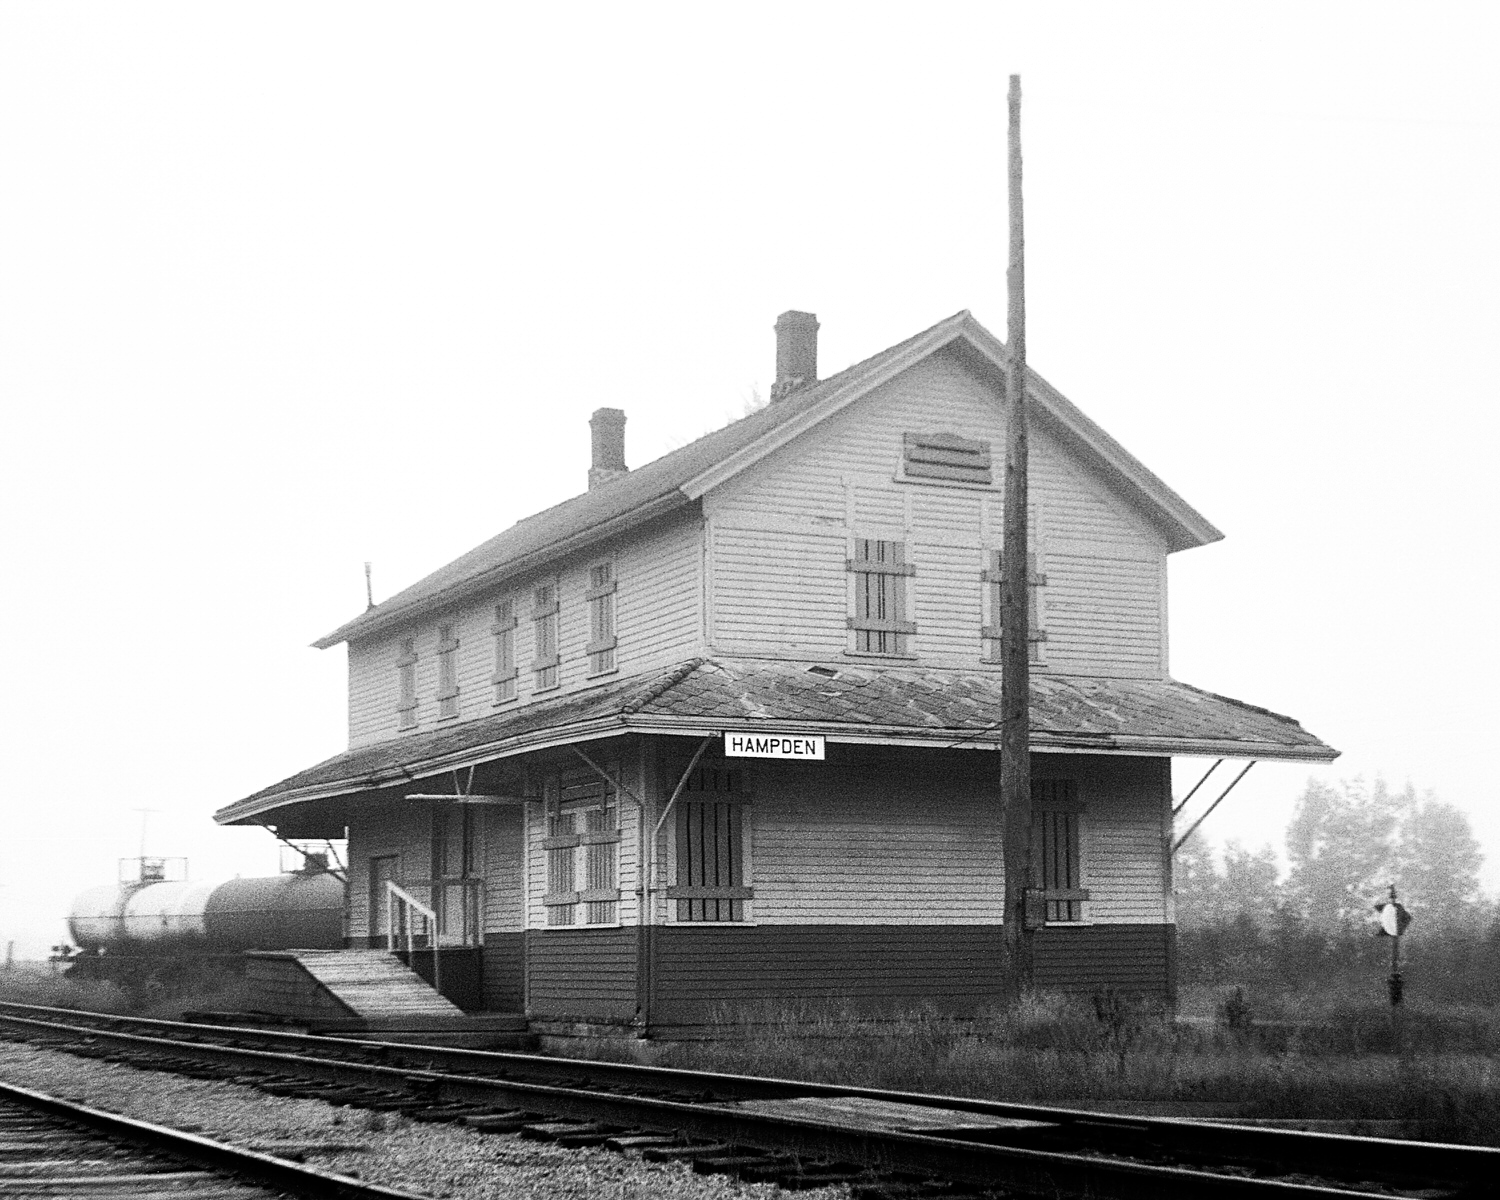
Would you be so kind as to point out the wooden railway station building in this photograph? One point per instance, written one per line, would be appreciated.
(542, 734)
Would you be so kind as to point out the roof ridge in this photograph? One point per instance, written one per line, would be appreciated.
(661, 685)
(634, 490)
(780, 407)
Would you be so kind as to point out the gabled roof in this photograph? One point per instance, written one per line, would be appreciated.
(905, 707)
(677, 479)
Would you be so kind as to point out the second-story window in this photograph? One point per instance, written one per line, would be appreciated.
(544, 629)
(992, 578)
(406, 683)
(447, 663)
(504, 630)
(601, 598)
(879, 622)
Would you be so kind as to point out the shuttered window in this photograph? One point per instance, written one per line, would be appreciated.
(946, 456)
(710, 847)
(880, 572)
(406, 684)
(562, 861)
(504, 632)
(544, 629)
(447, 664)
(1055, 817)
(992, 577)
(601, 601)
(582, 847)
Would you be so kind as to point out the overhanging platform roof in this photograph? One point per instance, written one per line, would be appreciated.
(855, 704)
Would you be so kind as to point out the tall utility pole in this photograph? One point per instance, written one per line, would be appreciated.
(1015, 580)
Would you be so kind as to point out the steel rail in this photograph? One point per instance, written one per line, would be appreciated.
(1325, 1155)
(203, 1152)
(989, 1162)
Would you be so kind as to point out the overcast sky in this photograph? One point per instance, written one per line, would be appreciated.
(288, 287)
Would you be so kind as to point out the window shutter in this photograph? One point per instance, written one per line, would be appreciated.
(994, 575)
(879, 621)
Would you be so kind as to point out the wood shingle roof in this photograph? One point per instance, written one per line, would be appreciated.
(677, 479)
(856, 704)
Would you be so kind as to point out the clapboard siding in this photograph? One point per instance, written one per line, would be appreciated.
(1135, 958)
(915, 839)
(708, 976)
(873, 843)
(381, 829)
(780, 590)
(658, 605)
(585, 974)
(780, 532)
(503, 972)
(504, 871)
(1125, 827)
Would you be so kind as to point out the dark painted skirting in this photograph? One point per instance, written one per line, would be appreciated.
(713, 974)
(584, 975)
(504, 972)
(705, 975)
(461, 974)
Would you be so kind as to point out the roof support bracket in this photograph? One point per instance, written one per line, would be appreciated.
(1182, 804)
(1177, 845)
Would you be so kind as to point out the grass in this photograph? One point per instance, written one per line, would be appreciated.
(165, 998)
(1258, 1051)
(1435, 1069)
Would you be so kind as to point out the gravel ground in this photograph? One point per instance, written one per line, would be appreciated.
(433, 1160)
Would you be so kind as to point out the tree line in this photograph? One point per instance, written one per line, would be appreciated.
(1241, 920)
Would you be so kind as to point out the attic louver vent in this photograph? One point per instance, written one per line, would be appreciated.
(946, 456)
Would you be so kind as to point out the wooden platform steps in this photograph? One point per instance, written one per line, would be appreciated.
(372, 994)
(374, 985)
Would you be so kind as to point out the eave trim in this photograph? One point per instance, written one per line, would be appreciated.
(869, 735)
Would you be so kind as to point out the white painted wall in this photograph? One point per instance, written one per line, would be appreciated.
(781, 531)
(658, 604)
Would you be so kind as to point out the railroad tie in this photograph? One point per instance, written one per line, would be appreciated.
(570, 1133)
(501, 1122)
(684, 1150)
(744, 1164)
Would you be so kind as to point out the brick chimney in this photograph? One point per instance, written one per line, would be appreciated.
(796, 353)
(607, 426)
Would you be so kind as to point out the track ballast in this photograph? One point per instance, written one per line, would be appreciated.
(886, 1144)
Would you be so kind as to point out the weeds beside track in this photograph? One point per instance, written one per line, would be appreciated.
(1026, 1148)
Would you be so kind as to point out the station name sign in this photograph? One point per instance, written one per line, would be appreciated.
(772, 745)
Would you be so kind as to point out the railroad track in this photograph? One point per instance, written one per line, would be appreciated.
(54, 1147)
(885, 1144)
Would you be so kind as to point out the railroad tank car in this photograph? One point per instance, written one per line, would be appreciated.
(300, 910)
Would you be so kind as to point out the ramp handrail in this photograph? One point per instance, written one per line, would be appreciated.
(395, 895)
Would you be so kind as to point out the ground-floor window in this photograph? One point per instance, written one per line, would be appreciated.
(582, 845)
(1056, 815)
(710, 847)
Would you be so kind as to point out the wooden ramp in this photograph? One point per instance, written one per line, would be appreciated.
(370, 985)
(375, 985)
